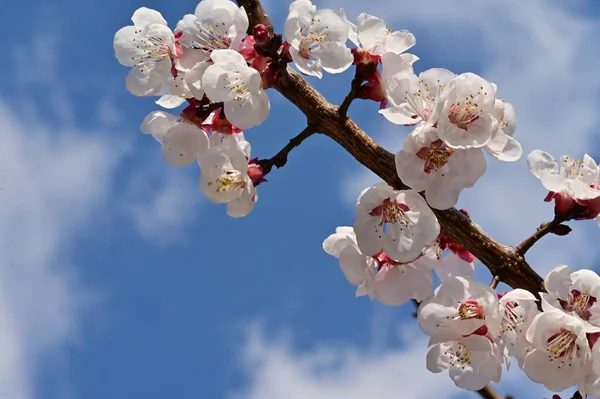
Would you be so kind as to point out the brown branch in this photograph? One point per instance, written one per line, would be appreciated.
(280, 159)
(495, 281)
(489, 392)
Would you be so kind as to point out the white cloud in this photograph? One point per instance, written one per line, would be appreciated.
(538, 54)
(275, 370)
(51, 183)
(162, 200)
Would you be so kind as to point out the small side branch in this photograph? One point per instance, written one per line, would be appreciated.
(280, 159)
(363, 72)
(489, 392)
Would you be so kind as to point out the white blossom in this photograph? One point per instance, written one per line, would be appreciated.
(569, 176)
(502, 145)
(464, 113)
(225, 179)
(462, 317)
(413, 98)
(230, 80)
(560, 356)
(397, 222)
(182, 142)
(518, 308)
(378, 276)
(426, 163)
(575, 293)
(215, 25)
(317, 39)
(371, 35)
(147, 46)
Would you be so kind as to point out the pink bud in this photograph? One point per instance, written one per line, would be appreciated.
(261, 34)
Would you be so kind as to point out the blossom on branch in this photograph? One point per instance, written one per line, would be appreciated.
(378, 276)
(317, 39)
(230, 80)
(373, 39)
(182, 142)
(148, 46)
(398, 223)
(463, 318)
(426, 163)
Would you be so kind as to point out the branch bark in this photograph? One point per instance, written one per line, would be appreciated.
(489, 392)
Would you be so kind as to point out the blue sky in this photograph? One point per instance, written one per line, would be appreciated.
(117, 279)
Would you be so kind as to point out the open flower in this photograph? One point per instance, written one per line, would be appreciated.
(413, 98)
(398, 223)
(569, 177)
(182, 142)
(462, 317)
(518, 308)
(225, 178)
(149, 47)
(502, 145)
(560, 356)
(317, 39)
(238, 86)
(373, 39)
(215, 25)
(465, 112)
(426, 163)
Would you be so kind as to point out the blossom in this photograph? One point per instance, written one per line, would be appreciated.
(502, 145)
(226, 177)
(149, 47)
(414, 98)
(398, 222)
(518, 308)
(464, 112)
(378, 276)
(238, 86)
(182, 142)
(426, 163)
(215, 25)
(317, 39)
(462, 317)
(569, 177)
(373, 39)
(560, 355)
(575, 293)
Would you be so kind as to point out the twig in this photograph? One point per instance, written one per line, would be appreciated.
(362, 73)
(489, 392)
(555, 226)
(280, 159)
(495, 281)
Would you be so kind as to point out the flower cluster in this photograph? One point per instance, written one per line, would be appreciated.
(220, 75)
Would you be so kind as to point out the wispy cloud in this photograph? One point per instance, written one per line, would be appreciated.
(51, 182)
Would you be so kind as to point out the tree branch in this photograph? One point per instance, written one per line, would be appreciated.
(280, 159)
(256, 14)
(489, 392)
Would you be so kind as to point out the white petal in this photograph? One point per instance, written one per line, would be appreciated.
(183, 143)
(399, 41)
(371, 31)
(335, 57)
(146, 16)
(147, 80)
(157, 123)
(250, 113)
(244, 204)
(170, 101)
(541, 163)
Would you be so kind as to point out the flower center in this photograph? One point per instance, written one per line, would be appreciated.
(311, 38)
(238, 87)
(212, 37)
(579, 302)
(512, 318)
(571, 169)
(154, 48)
(230, 180)
(422, 101)
(563, 346)
(459, 354)
(466, 112)
(434, 156)
(391, 212)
